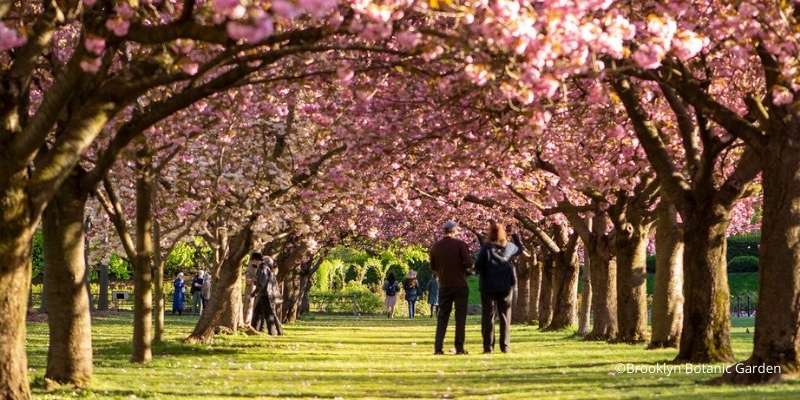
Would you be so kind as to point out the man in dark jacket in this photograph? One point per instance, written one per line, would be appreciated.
(451, 262)
(266, 293)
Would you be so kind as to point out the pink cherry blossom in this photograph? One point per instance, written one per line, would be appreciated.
(9, 38)
(781, 95)
(95, 44)
(118, 25)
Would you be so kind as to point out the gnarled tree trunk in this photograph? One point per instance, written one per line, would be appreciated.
(519, 313)
(225, 306)
(705, 334)
(535, 288)
(16, 232)
(546, 293)
(630, 243)
(604, 290)
(158, 283)
(586, 297)
(565, 291)
(668, 294)
(69, 355)
(777, 332)
(143, 262)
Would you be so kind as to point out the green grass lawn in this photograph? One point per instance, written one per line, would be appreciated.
(371, 357)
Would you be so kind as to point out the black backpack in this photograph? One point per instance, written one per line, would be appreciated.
(499, 274)
(390, 288)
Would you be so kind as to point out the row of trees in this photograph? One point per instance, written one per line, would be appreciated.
(290, 126)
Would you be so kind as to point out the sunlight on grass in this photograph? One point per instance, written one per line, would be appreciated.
(371, 357)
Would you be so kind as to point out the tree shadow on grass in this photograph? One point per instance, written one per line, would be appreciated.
(122, 350)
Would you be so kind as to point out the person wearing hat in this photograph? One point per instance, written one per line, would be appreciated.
(412, 290)
(451, 261)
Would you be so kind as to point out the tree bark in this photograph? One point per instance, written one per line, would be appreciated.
(604, 289)
(69, 355)
(586, 296)
(291, 296)
(777, 331)
(519, 313)
(565, 290)
(668, 294)
(158, 283)
(16, 233)
(630, 243)
(143, 262)
(546, 294)
(225, 307)
(705, 334)
(535, 289)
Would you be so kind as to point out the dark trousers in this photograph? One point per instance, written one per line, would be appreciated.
(496, 304)
(447, 298)
(264, 316)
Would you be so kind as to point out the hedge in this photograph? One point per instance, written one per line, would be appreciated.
(743, 264)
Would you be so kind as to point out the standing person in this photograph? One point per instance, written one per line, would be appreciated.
(390, 288)
(412, 291)
(497, 280)
(451, 262)
(433, 295)
(250, 286)
(267, 297)
(178, 296)
(196, 292)
(205, 292)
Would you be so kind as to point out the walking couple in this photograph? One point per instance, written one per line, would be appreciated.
(451, 261)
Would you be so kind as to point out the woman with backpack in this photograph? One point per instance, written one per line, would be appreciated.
(497, 280)
(413, 292)
(390, 288)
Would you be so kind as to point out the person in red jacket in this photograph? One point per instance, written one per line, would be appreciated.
(451, 261)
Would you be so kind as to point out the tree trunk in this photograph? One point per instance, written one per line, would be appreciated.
(535, 288)
(565, 291)
(306, 280)
(586, 296)
(143, 262)
(225, 305)
(705, 334)
(777, 332)
(546, 293)
(630, 243)
(291, 296)
(519, 313)
(69, 355)
(232, 316)
(16, 233)
(158, 283)
(668, 294)
(604, 289)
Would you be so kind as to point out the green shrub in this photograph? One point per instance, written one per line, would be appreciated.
(651, 263)
(743, 264)
(342, 301)
(38, 254)
(119, 268)
(745, 244)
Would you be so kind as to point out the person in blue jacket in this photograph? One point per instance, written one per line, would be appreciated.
(412, 290)
(178, 296)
